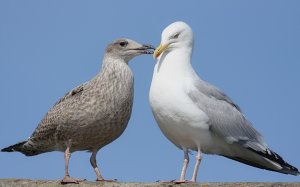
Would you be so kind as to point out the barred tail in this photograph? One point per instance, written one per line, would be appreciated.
(19, 147)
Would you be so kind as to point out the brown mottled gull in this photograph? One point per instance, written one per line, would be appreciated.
(93, 114)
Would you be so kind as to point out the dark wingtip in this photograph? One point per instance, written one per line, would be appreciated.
(7, 149)
(273, 156)
(287, 168)
(14, 147)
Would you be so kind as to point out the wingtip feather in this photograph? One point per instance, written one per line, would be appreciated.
(14, 147)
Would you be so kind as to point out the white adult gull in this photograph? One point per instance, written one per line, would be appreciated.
(195, 115)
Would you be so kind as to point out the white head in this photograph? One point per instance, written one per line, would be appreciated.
(176, 35)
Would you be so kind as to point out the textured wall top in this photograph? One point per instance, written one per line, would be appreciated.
(53, 183)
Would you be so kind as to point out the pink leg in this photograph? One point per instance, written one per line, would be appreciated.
(67, 179)
(184, 167)
(94, 165)
(97, 171)
(198, 161)
(183, 170)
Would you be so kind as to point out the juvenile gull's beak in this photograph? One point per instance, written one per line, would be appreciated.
(145, 49)
(161, 48)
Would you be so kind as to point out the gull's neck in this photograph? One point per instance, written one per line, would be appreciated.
(108, 58)
(113, 65)
(176, 62)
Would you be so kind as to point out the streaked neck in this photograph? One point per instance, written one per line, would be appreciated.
(111, 61)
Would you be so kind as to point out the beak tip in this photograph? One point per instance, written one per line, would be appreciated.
(159, 50)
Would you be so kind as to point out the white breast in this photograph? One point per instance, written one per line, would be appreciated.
(181, 121)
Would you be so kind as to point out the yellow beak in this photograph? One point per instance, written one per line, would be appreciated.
(161, 48)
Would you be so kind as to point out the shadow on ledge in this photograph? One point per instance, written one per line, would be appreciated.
(54, 183)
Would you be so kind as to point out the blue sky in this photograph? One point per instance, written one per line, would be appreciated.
(249, 49)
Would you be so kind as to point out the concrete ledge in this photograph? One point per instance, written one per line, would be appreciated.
(54, 183)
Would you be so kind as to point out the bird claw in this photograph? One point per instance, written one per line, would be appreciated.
(70, 180)
(182, 181)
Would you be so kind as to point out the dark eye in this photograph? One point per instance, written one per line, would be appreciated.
(123, 43)
(176, 35)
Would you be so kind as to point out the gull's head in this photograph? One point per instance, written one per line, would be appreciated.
(127, 49)
(176, 35)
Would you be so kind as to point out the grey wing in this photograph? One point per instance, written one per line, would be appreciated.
(228, 122)
(47, 127)
(225, 117)
(212, 91)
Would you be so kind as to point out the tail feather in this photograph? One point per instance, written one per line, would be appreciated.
(19, 147)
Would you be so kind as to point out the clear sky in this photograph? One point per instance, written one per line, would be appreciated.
(249, 49)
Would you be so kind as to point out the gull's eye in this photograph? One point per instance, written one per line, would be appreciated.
(123, 43)
(176, 35)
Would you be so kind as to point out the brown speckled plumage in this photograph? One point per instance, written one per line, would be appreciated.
(93, 114)
(90, 116)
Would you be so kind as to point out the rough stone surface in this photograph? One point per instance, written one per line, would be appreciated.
(53, 183)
